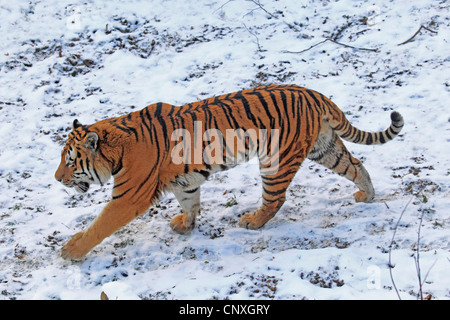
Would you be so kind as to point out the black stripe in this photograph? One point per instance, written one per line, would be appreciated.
(229, 115)
(276, 182)
(274, 193)
(204, 173)
(124, 129)
(304, 98)
(283, 100)
(101, 152)
(146, 192)
(145, 180)
(248, 111)
(353, 134)
(345, 171)
(117, 168)
(294, 105)
(317, 157)
(120, 184)
(284, 175)
(265, 200)
(312, 95)
(80, 163)
(157, 144)
(133, 130)
(275, 104)
(339, 126)
(170, 116)
(348, 130)
(163, 124)
(147, 114)
(358, 136)
(315, 109)
(208, 117)
(158, 109)
(369, 139)
(122, 194)
(362, 136)
(306, 113)
(285, 107)
(338, 160)
(143, 118)
(388, 134)
(142, 132)
(265, 106)
(96, 174)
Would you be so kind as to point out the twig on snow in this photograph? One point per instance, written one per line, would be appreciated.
(256, 37)
(260, 6)
(314, 45)
(334, 41)
(221, 7)
(390, 248)
(415, 34)
(417, 258)
(258, 3)
(417, 261)
(356, 48)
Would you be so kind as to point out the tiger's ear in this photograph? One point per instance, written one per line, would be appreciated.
(76, 124)
(91, 141)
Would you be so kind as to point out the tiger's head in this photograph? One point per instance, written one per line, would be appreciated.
(80, 161)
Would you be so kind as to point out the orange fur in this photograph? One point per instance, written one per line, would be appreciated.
(137, 150)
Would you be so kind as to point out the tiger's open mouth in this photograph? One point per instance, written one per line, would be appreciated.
(82, 187)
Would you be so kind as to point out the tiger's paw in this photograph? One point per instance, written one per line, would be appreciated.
(250, 221)
(75, 248)
(362, 196)
(177, 225)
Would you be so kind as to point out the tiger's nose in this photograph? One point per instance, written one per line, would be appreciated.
(58, 177)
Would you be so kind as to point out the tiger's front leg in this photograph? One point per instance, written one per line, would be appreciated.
(190, 202)
(274, 193)
(116, 214)
(76, 248)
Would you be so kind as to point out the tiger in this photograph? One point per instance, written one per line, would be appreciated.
(137, 150)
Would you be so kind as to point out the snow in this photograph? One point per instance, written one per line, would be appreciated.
(91, 60)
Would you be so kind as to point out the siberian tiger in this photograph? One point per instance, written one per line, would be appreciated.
(169, 148)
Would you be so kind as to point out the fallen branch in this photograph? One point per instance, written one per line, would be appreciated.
(260, 6)
(258, 3)
(221, 7)
(256, 37)
(415, 34)
(334, 41)
(417, 258)
(356, 48)
(390, 248)
(315, 45)
(417, 262)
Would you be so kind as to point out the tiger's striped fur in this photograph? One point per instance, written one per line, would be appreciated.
(136, 150)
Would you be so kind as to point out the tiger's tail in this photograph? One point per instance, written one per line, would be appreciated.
(343, 128)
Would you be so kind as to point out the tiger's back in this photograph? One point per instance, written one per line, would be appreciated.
(169, 148)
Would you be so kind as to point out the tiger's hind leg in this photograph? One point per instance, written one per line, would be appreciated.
(273, 195)
(190, 202)
(330, 151)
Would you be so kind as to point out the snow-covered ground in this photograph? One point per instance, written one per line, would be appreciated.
(92, 59)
